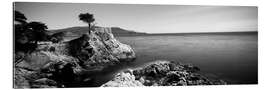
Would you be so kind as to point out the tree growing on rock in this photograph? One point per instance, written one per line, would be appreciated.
(87, 18)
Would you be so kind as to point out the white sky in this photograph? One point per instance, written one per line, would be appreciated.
(146, 18)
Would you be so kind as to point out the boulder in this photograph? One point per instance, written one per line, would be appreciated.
(123, 79)
(165, 73)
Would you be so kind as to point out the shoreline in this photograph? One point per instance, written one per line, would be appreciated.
(107, 53)
(162, 73)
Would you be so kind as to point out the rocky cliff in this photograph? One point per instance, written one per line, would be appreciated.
(107, 50)
(162, 73)
(61, 64)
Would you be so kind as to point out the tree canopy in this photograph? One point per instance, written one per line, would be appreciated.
(87, 18)
(28, 34)
(37, 26)
(39, 31)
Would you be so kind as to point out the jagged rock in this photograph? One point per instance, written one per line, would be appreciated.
(19, 79)
(53, 62)
(26, 78)
(102, 49)
(44, 83)
(166, 73)
(95, 51)
(123, 80)
(37, 67)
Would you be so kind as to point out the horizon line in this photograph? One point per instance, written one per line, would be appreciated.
(165, 32)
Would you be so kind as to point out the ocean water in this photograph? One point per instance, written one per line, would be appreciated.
(230, 57)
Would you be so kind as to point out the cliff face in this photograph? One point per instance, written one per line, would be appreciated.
(162, 73)
(107, 50)
(53, 65)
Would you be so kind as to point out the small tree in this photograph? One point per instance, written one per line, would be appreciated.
(39, 31)
(87, 18)
(28, 34)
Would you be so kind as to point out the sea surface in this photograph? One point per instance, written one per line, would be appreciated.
(230, 57)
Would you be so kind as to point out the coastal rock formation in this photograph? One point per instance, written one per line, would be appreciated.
(123, 80)
(44, 69)
(55, 65)
(164, 73)
(100, 49)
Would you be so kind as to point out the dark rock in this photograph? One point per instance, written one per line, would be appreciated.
(32, 79)
(44, 83)
(166, 73)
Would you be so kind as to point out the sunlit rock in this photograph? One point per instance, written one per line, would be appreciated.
(164, 73)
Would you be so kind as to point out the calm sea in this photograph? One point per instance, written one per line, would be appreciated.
(230, 57)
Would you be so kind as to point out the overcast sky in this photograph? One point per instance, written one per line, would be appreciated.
(145, 18)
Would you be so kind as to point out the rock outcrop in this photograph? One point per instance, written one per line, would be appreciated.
(53, 65)
(124, 79)
(162, 73)
(106, 50)
(45, 69)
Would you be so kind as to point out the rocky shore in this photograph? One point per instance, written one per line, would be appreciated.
(161, 73)
(61, 64)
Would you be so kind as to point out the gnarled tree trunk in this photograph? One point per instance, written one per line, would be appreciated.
(89, 26)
